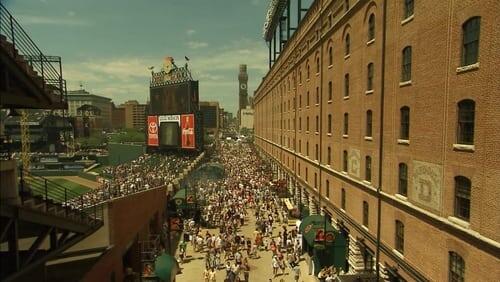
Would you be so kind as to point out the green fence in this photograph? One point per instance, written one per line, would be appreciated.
(121, 153)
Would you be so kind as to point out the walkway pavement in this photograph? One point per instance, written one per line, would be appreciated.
(260, 269)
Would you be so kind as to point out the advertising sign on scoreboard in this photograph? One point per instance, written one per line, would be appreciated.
(153, 131)
(169, 118)
(187, 133)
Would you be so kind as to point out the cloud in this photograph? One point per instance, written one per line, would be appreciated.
(71, 13)
(196, 44)
(190, 32)
(39, 20)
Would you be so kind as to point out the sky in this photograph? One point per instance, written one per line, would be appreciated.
(107, 45)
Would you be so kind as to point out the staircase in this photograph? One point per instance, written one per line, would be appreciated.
(49, 219)
(33, 79)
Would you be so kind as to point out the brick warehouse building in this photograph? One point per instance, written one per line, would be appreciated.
(391, 120)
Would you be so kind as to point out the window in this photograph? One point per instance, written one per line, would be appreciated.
(308, 71)
(406, 64)
(298, 168)
(346, 5)
(470, 47)
(457, 268)
(317, 95)
(344, 161)
(307, 148)
(400, 236)
(300, 76)
(315, 180)
(347, 44)
(346, 123)
(368, 168)
(317, 124)
(369, 79)
(307, 99)
(330, 55)
(371, 27)
(368, 132)
(404, 132)
(403, 179)
(316, 153)
(317, 64)
(330, 91)
(329, 156)
(300, 123)
(346, 85)
(300, 101)
(408, 8)
(307, 174)
(465, 130)
(327, 189)
(365, 213)
(462, 197)
(307, 124)
(300, 146)
(342, 199)
(330, 123)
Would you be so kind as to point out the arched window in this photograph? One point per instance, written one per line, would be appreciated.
(403, 179)
(456, 268)
(407, 8)
(308, 72)
(400, 237)
(317, 95)
(317, 124)
(368, 132)
(365, 213)
(317, 65)
(300, 123)
(344, 161)
(316, 152)
(307, 123)
(330, 91)
(327, 189)
(329, 123)
(347, 44)
(346, 123)
(307, 148)
(307, 99)
(342, 199)
(368, 168)
(369, 79)
(346, 85)
(371, 27)
(470, 49)
(300, 76)
(346, 5)
(329, 157)
(404, 132)
(330, 56)
(406, 64)
(462, 197)
(465, 116)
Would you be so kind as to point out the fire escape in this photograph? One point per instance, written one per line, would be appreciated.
(39, 219)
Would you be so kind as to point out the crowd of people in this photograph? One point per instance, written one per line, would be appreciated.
(145, 172)
(243, 192)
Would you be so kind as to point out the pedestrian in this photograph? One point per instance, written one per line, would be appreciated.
(211, 275)
(296, 272)
(275, 265)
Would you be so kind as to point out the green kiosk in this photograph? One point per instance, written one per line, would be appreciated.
(325, 245)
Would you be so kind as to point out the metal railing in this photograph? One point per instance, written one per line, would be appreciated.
(54, 195)
(49, 68)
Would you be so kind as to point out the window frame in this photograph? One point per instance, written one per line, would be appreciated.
(369, 124)
(370, 72)
(470, 46)
(466, 115)
(347, 45)
(404, 123)
(406, 62)
(456, 267)
(343, 199)
(346, 124)
(368, 168)
(371, 27)
(346, 85)
(330, 90)
(403, 179)
(462, 197)
(345, 161)
(399, 238)
(408, 8)
(366, 211)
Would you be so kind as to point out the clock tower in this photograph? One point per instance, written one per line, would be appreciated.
(243, 87)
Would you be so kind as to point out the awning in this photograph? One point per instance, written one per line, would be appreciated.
(313, 230)
(288, 204)
(166, 267)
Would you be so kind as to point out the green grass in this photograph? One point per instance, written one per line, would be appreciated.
(74, 187)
